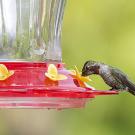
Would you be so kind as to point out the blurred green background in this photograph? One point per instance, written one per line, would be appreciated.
(102, 30)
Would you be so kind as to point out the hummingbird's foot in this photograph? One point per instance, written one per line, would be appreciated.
(111, 89)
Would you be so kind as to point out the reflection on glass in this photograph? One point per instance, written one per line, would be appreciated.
(30, 29)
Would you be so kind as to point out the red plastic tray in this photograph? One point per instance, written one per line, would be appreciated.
(28, 87)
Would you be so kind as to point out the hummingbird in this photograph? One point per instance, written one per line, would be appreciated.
(112, 76)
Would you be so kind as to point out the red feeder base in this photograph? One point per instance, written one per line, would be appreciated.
(28, 87)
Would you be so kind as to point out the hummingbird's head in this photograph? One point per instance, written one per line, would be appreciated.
(90, 67)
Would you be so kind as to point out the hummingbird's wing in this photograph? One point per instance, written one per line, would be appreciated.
(121, 77)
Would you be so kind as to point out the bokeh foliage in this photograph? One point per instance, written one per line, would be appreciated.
(102, 30)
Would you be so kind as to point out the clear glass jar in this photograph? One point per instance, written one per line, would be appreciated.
(30, 30)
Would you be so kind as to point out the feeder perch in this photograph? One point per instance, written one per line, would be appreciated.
(32, 74)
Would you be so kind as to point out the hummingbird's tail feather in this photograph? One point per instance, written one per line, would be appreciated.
(132, 92)
(131, 87)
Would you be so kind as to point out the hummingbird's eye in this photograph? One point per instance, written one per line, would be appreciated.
(87, 67)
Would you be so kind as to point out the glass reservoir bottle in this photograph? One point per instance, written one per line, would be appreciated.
(30, 30)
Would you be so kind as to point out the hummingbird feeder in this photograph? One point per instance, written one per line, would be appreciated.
(32, 74)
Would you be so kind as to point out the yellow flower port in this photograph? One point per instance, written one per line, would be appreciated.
(4, 72)
(52, 73)
(81, 79)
